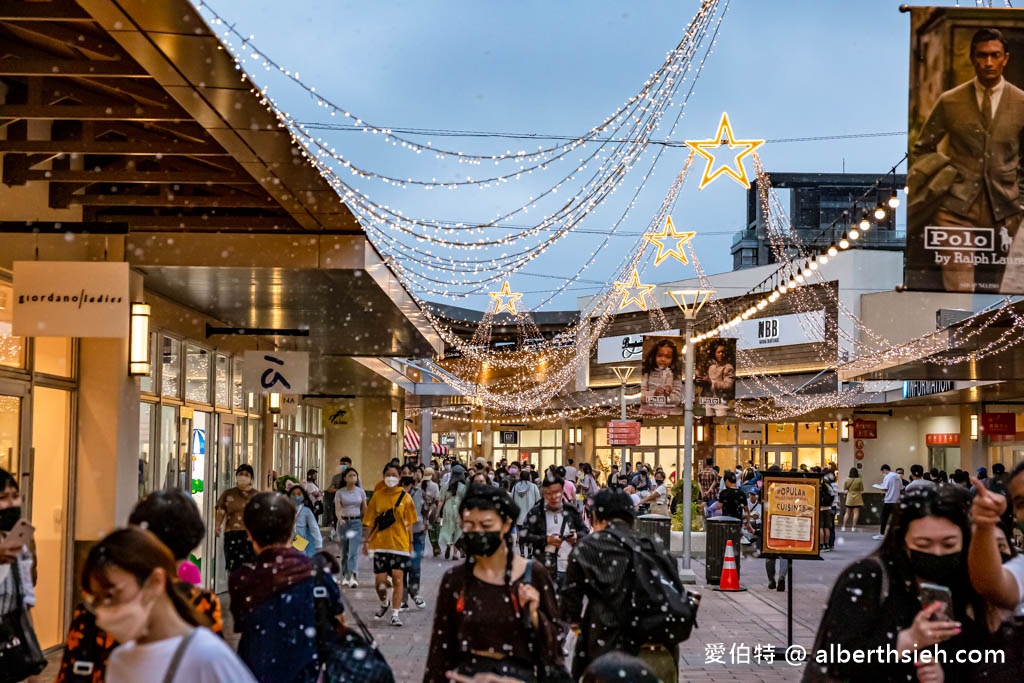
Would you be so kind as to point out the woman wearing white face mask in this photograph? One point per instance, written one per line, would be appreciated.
(230, 506)
(128, 581)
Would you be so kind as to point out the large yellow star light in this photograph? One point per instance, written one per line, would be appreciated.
(506, 299)
(659, 238)
(724, 137)
(633, 291)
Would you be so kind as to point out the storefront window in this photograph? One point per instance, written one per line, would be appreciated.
(51, 441)
(668, 436)
(237, 391)
(145, 448)
(809, 432)
(725, 435)
(648, 436)
(781, 432)
(12, 349)
(10, 431)
(170, 374)
(808, 457)
(222, 383)
(197, 374)
(166, 463)
(53, 356)
(146, 381)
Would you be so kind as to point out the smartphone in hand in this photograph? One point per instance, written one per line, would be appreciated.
(930, 593)
(19, 535)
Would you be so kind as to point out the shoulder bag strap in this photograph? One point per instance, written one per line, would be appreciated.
(179, 652)
(528, 574)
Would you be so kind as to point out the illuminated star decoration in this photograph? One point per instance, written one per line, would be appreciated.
(659, 238)
(723, 136)
(506, 299)
(639, 291)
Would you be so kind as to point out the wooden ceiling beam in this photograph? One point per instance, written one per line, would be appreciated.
(141, 177)
(91, 112)
(54, 10)
(129, 147)
(70, 67)
(206, 221)
(174, 201)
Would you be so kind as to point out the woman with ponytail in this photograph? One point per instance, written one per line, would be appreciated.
(129, 582)
(497, 612)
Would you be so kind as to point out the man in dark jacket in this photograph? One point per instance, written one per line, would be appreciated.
(599, 567)
(553, 528)
(272, 600)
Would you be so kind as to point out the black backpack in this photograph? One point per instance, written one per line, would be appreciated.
(827, 495)
(661, 611)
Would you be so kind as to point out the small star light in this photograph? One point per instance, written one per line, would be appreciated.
(723, 136)
(640, 291)
(669, 232)
(506, 299)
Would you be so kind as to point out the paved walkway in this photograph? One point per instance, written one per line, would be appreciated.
(731, 626)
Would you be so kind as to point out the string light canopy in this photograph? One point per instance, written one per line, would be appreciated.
(724, 138)
(505, 299)
(634, 291)
(669, 232)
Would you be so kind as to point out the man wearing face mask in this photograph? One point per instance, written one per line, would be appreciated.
(553, 528)
(388, 521)
(230, 508)
(412, 575)
(337, 483)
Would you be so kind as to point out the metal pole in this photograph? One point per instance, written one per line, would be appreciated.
(622, 415)
(687, 442)
(789, 599)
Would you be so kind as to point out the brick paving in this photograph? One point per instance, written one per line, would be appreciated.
(732, 621)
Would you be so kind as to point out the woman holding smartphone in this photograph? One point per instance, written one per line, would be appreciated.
(911, 594)
(17, 567)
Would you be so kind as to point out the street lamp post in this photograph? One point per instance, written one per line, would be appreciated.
(690, 301)
(623, 372)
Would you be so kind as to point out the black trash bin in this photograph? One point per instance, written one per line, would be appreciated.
(720, 530)
(658, 527)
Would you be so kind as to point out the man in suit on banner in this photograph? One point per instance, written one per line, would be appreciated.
(982, 122)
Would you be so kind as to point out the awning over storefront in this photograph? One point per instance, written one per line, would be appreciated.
(412, 442)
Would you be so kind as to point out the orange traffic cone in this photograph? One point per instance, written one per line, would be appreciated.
(730, 575)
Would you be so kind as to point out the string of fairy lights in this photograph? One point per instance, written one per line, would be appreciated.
(454, 260)
(428, 273)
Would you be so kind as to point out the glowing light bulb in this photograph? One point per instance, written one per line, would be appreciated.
(854, 233)
(865, 224)
(880, 213)
(894, 201)
(832, 251)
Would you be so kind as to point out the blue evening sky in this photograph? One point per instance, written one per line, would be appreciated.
(781, 68)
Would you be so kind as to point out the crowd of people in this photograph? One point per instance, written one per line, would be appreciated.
(551, 570)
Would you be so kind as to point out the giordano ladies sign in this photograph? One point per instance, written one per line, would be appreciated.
(70, 299)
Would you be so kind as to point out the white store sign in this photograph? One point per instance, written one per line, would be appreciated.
(626, 348)
(781, 330)
(70, 299)
(276, 372)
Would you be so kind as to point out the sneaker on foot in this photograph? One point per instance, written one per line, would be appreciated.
(782, 586)
(382, 610)
(353, 582)
(771, 584)
(405, 604)
(878, 537)
(420, 602)
(395, 619)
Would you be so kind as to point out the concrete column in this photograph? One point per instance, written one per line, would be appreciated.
(425, 438)
(107, 457)
(265, 466)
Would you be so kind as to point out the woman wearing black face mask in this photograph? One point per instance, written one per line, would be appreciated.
(17, 568)
(875, 602)
(496, 613)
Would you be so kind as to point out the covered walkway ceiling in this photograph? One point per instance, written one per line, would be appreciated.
(1000, 359)
(131, 113)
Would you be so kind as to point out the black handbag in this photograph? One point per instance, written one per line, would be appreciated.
(20, 654)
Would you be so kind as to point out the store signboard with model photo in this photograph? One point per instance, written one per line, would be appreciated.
(70, 299)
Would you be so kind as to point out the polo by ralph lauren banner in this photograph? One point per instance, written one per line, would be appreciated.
(70, 299)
